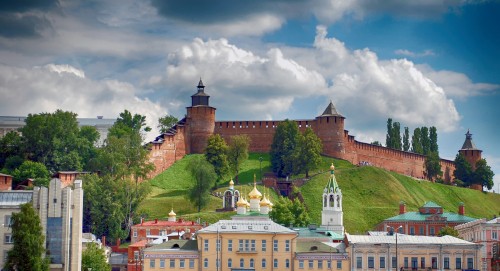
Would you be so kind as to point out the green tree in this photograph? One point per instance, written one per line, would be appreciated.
(288, 212)
(204, 177)
(93, 258)
(463, 170)
(433, 140)
(396, 136)
(29, 242)
(416, 141)
(426, 142)
(389, 140)
(216, 154)
(483, 174)
(238, 153)
(32, 170)
(308, 152)
(126, 123)
(432, 166)
(406, 140)
(447, 230)
(166, 122)
(377, 143)
(285, 141)
(10, 146)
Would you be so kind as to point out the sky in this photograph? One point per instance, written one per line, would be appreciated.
(421, 63)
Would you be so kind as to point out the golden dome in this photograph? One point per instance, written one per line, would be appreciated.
(264, 201)
(231, 182)
(255, 194)
(332, 167)
(241, 202)
(171, 212)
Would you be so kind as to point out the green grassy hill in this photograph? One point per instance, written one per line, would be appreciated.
(369, 194)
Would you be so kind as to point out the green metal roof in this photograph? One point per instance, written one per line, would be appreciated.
(332, 183)
(314, 247)
(431, 204)
(417, 216)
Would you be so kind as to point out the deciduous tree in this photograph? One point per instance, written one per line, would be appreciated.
(426, 142)
(93, 258)
(287, 212)
(433, 140)
(447, 230)
(432, 166)
(483, 174)
(238, 153)
(308, 152)
(463, 170)
(416, 141)
(216, 154)
(166, 122)
(204, 176)
(285, 141)
(29, 242)
(32, 170)
(406, 139)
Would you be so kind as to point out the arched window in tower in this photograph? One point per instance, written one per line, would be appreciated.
(227, 199)
(324, 201)
(338, 201)
(332, 200)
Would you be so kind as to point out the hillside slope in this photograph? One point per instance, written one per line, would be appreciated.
(369, 194)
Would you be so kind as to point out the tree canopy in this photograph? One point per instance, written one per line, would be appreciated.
(216, 154)
(483, 174)
(288, 212)
(285, 141)
(237, 153)
(307, 155)
(29, 242)
(93, 258)
(204, 177)
(432, 166)
(33, 170)
(166, 122)
(447, 230)
(393, 136)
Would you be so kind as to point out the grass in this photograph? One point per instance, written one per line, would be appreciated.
(370, 194)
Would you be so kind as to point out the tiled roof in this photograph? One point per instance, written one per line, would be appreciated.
(186, 245)
(468, 143)
(331, 111)
(246, 226)
(431, 204)
(417, 216)
(405, 239)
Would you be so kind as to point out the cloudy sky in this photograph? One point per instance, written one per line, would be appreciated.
(422, 63)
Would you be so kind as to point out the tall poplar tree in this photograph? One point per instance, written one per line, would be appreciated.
(406, 140)
(433, 140)
(416, 142)
(426, 143)
(396, 136)
(388, 137)
(29, 242)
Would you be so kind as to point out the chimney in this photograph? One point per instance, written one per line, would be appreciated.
(156, 220)
(461, 209)
(402, 207)
(103, 240)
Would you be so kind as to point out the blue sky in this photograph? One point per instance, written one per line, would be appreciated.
(422, 63)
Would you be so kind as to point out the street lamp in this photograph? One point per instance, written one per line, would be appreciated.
(260, 162)
(396, 232)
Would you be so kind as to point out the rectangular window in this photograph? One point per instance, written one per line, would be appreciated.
(136, 255)
(152, 263)
(182, 263)
(434, 262)
(172, 263)
(320, 264)
(264, 244)
(329, 264)
(414, 262)
(275, 263)
(252, 245)
(339, 264)
(446, 263)
(163, 233)
(275, 245)
(494, 235)
(218, 245)
(371, 262)
(229, 245)
(412, 230)
(287, 263)
(287, 245)
(421, 231)
(458, 263)
(470, 263)
(247, 245)
(205, 244)
(422, 262)
(432, 231)
(191, 263)
(301, 264)
(311, 264)
(406, 262)
(134, 232)
(7, 221)
(394, 263)
(148, 232)
(162, 263)
(240, 247)
(359, 262)
(382, 262)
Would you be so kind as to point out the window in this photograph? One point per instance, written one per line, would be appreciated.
(339, 264)
(421, 230)
(247, 245)
(422, 262)
(217, 263)
(240, 247)
(264, 244)
(406, 262)
(218, 245)
(320, 264)
(494, 235)
(191, 263)
(432, 231)
(275, 263)
(172, 263)
(205, 244)
(252, 245)
(7, 221)
(287, 263)
(470, 263)
(229, 245)
(182, 263)
(329, 264)
(275, 245)
(162, 263)
(414, 262)
(263, 263)
(287, 245)
(136, 255)
(311, 264)
(229, 263)
(252, 263)
(446, 262)
(163, 233)
(382, 262)
(148, 232)
(135, 233)
(301, 264)
(152, 263)
(205, 262)
(371, 262)
(394, 263)
(458, 263)
(359, 262)
(242, 263)
(412, 230)
(434, 263)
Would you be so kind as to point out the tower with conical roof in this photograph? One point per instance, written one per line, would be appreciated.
(469, 150)
(200, 120)
(332, 216)
(329, 127)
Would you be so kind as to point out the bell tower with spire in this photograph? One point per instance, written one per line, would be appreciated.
(332, 216)
(200, 120)
(469, 150)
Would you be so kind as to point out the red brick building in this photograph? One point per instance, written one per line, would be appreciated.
(190, 134)
(428, 221)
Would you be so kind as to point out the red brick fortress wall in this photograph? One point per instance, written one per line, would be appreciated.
(168, 149)
(200, 124)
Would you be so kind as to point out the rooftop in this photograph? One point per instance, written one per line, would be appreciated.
(186, 245)
(15, 198)
(405, 239)
(314, 247)
(246, 226)
(417, 216)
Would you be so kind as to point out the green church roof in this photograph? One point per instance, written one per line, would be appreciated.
(417, 216)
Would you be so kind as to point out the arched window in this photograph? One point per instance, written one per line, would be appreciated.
(205, 262)
(325, 201)
(332, 200)
(242, 263)
(251, 263)
(229, 263)
(263, 263)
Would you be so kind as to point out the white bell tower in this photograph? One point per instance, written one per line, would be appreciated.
(332, 217)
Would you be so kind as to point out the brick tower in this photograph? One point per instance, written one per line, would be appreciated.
(200, 121)
(329, 127)
(469, 150)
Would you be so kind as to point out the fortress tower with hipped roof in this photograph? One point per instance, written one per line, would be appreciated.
(190, 135)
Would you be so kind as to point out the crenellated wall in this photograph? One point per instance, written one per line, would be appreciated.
(168, 148)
